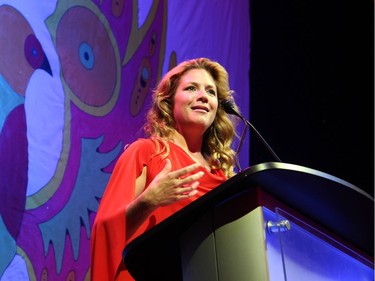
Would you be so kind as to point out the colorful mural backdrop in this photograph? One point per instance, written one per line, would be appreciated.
(75, 82)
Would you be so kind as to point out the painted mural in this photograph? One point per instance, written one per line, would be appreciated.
(75, 82)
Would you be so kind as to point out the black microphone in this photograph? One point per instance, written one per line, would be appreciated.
(229, 108)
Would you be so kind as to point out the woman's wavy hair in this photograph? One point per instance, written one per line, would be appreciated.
(218, 138)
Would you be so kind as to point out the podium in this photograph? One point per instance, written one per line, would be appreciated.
(272, 221)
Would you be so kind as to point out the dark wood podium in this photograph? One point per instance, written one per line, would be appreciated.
(208, 239)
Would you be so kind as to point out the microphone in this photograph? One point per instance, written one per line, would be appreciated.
(229, 108)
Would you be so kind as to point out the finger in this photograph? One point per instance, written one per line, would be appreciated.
(191, 178)
(167, 168)
(192, 193)
(186, 195)
(187, 189)
(185, 170)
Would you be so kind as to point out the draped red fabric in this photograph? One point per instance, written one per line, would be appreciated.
(108, 237)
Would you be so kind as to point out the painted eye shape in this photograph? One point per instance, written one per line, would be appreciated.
(90, 65)
(141, 88)
(35, 55)
(86, 56)
(144, 77)
(23, 51)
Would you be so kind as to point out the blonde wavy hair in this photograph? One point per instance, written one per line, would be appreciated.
(218, 138)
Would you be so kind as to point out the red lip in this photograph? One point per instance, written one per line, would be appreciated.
(200, 107)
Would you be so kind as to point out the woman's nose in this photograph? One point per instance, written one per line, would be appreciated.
(202, 95)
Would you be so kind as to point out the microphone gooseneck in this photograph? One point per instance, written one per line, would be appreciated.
(229, 108)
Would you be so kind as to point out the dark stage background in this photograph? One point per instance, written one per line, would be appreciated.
(312, 86)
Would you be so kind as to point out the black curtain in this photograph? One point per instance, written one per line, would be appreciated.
(312, 85)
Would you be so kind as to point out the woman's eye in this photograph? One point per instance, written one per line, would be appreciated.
(211, 92)
(190, 88)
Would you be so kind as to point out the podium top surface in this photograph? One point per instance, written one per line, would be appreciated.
(335, 204)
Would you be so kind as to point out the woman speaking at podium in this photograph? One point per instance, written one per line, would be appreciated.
(186, 154)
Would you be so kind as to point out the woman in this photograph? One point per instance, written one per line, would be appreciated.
(187, 154)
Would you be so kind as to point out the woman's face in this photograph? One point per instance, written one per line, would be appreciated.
(195, 101)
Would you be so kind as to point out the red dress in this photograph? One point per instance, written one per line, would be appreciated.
(108, 237)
